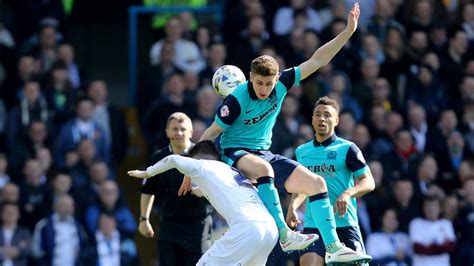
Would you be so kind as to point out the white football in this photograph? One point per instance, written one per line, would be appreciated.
(226, 78)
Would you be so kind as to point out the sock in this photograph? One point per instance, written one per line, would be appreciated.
(269, 195)
(323, 216)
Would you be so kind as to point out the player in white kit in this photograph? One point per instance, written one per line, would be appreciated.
(252, 231)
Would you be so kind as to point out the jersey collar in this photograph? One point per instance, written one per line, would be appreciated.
(253, 96)
(325, 143)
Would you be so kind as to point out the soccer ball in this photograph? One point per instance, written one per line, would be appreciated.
(226, 79)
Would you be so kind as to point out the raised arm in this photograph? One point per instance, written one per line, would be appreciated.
(325, 53)
(212, 132)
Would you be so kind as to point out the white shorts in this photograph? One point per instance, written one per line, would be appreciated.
(247, 243)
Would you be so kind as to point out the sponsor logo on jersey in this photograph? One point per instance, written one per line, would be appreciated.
(323, 168)
(259, 118)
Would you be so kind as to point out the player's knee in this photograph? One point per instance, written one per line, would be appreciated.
(318, 184)
(263, 168)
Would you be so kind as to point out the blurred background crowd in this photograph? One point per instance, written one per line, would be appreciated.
(405, 82)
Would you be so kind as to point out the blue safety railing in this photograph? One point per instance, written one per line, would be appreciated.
(133, 13)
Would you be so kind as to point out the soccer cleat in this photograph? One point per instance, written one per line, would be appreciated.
(346, 255)
(297, 241)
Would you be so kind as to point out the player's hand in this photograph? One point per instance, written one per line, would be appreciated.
(186, 186)
(292, 219)
(352, 18)
(341, 203)
(145, 229)
(138, 174)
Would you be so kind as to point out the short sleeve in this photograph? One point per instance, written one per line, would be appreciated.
(228, 112)
(355, 160)
(290, 77)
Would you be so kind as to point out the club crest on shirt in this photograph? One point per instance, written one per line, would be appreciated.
(332, 155)
(225, 111)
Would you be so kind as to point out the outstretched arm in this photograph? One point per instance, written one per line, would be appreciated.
(325, 53)
(184, 165)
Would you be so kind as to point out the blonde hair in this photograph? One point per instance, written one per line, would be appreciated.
(180, 117)
(264, 65)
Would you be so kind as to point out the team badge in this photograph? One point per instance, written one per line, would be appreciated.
(225, 111)
(332, 155)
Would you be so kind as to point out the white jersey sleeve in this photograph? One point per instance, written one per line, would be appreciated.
(185, 165)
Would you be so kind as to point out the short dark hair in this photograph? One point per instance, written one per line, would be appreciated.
(327, 101)
(204, 147)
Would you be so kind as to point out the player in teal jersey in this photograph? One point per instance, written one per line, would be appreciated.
(340, 162)
(246, 119)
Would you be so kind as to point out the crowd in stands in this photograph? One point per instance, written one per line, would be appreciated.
(405, 82)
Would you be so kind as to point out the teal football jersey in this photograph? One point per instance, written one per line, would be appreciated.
(339, 161)
(248, 121)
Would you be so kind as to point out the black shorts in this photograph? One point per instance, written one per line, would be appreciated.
(349, 235)
(282, 166)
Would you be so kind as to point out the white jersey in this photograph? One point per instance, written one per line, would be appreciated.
(231, 194)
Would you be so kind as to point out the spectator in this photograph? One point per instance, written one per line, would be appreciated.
(370, 70)
(389, 246)
(59, 95)
(111, 119)
(14, 240)
(378, 197)
(394, 49)
(61, 185)
(284, 19)
(33, 191)
(340, 84)
(187, 55)
(433, 237)
(81, 127)
(452, 61)
(10, 193)
(59, 238)
(207, 101)
(109, 247)
(87, 154)
(287, 125)
(252, 40)
(75, 75)
(399, 163)
(154, 78)
(426, 175)
(110, 202)
(164, 107)
(428, 92)
(32, 106)
(98, 173)
(418, 125)
(46, 50)
(26, 70)
(383, 20)
(217, 56)
(404, 203)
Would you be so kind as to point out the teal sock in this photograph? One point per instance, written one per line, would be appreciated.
(269, 195)
(323, 216)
